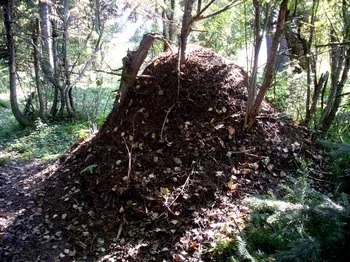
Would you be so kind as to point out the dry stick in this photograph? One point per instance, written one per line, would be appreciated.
(236, 224)
(178, 69)
(166, 117)
(129, 166)
(120, 230)
(182, 190)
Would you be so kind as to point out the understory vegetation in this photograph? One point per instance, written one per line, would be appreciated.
(49, 141)
(300, 225)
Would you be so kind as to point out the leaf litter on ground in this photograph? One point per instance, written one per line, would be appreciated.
(165, 175)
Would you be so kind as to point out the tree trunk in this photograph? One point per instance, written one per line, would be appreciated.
(185, 28)
(270, 67)
(131, 65)
(310, 65)
(168, 16)
(171, 25)
(39, 88)
(257, 44)
(67, 85)
(165, 26)
(8, 22)
(338, 80)
(47, 54)
(56, 88)
(319, 86)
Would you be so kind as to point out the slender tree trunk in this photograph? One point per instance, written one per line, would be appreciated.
(319, 86)
(56, 88)
(39, 88)
(310, 65)
(164, 33)
(340, 67)
(8, 22)
(46, 36)
(335, 96)
(171, 23)
(257, 44)
(185, 28)
(67, 85)
(270, 67)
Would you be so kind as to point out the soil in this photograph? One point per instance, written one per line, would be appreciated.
(164, 178)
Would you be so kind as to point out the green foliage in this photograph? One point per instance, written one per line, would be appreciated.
(93, 102)
(224, 250)
(288, 92)
(231, 251)
(4, 158)
(50, 141)
(340, 129)
(4, 104)
(47, 142)
(304, 225)
(8, 125)
(88, 170)
(225, 33)
(339, 154)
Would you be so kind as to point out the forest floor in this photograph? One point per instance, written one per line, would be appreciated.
(165, 178)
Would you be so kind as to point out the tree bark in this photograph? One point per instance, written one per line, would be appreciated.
(55, 80)
(46, 36)
(310, 66)
(8, 22)
(39, 88)
(185, 28)
(319, 86)
(335, 97)
(131, 65)
(270, 67)
(257, 44)
(67, 94)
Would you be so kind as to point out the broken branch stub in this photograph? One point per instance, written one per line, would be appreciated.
(131, 65)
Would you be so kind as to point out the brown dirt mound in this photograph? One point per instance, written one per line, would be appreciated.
(165, 168)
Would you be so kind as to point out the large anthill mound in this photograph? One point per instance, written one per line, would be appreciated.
(168, 164)
(170, 127)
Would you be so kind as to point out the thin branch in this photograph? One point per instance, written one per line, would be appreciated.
(182, 189)
(200, 12)
(107, 72)
(130, 161)
(215, 13)
(345, 94)
(160, 37)
(166, 117)
(334, 43)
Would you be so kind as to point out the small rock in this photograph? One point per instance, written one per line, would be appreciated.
(72, 253)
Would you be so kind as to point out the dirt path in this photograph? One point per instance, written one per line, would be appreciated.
(20, 182)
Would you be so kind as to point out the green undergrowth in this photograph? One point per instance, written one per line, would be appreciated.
(302, 225)
(49, 141)
(339, 154)
(46, 142)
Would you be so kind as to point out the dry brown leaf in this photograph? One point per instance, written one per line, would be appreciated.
(231, 131)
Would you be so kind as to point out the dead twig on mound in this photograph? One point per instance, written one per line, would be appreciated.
(182, 190)
(130, 162)
(132, 63)
(178, 70)
(165, 119)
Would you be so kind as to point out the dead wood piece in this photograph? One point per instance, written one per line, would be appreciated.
(132, 63)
